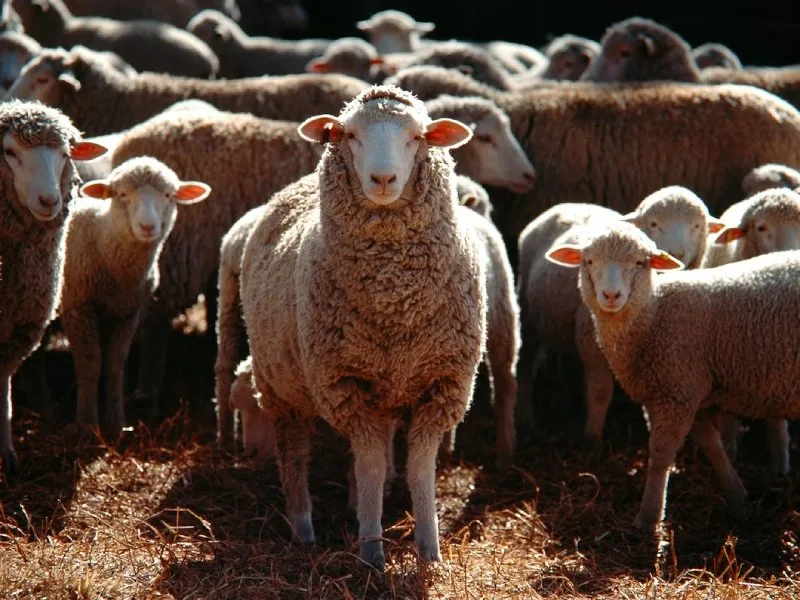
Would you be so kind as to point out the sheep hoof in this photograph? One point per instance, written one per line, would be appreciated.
(372, 554)
(429, 552)
(10, 462)
(304, 530)
(780, 467)
(645, 524)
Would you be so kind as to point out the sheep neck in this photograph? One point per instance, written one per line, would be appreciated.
(127, 259)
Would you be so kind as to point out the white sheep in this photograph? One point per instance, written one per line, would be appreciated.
(394, 31)
(768, 176)
(37, 179)
(683, 344)
(258, 433)
(114, 239)
(767, 222)
(364, 298)
(674, 217)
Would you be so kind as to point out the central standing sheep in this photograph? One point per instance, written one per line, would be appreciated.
(114, 239)
(682, 343)
(364, 299)
(37, 178)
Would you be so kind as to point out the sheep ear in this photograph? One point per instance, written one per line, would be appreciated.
(629, 217)
(648, 43)
(729, 234)
(68, 78)
(191, 192)
(376, 61)
(664, 261)
(98, 188)
(567, 255)
(317, 65)
(425, 27)
(448, 133)
(715, 225)
(87, 151)
(321, 129)
(364, 25)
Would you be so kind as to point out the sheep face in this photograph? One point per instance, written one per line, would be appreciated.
(45, 77)
(615, 264)
(37, 172)
(384, 138)
(495, 157)
(394, 31)
(770, 224)
(569, 59)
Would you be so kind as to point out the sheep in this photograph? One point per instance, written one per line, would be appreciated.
(638, 49)
(493, 156)
(479, 64)
(391, 31)
(350, 56)
(114, 237)
(767, 222)
(568, 57)
(245, 159)
(474, 196)
(770, 176)
(516, 58)
(382, 310)
(37, 176)
(677, 221)
(79, 84)
(9, 19)
(258, 434)
(716, 55)
(145, 45)
(243, 56)
(587, 142)
(175, 12)
(429, 82)
(667, 339)
(784, 82)
(281, 18)
(16, 49)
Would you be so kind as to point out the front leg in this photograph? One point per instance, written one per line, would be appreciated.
(442, 406)
(779, 441)
(115, 353)
(293, 446)
(9, 456)
(83, 334)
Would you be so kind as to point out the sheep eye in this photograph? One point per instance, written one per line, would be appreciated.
(10, 152)
(351, 136)
(42, 79)
(762, 228)
(639, 263)
(589, 261)
(624, 53)
(654, 225)
(484, 137)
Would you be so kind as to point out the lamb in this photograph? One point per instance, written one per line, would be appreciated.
(770, 176)
(391, 31)
(377, 225)
(145, 45)
(638, 49)
(673, 217)
(114, 238)
(493, 156)
(767, 222)
(568, 57)
(668, 341)
(243, 56)
(350, 56)
(37, 177)
(716, 55)
(581, 139)
(79, 84)
(474, 196)
(175, 12)
(245, 159)
(258, 434)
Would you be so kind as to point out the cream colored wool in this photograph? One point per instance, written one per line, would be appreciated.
(770, 176)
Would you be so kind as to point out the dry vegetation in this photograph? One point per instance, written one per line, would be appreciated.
(161, 514)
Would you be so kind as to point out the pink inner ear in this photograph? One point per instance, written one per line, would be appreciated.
(96, 189)
(729, 234)
(87, 151)
(445, 132)
(191, 191)
(566, 255)
(376, 61)
(664, 262)
(319, 66)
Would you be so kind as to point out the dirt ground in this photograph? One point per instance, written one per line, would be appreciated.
(160, 513)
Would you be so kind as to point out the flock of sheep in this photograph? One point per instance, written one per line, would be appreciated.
(334, 215)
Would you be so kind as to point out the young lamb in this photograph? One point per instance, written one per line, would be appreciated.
(145, 45)
(101, 101)
(349, 56)
(382, 309)
(243, 56)
(669, 341)
(770, 176)
(114, 239)
(673, 217)
(258, 433)
(38, 178)
(493, 156)
(767, 222)
(474, 196)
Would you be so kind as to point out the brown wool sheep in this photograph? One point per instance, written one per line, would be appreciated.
(176, 12)
(145, 45)
(770, 176)
(79, 84)
(428, 82)
(372, 249)
(568, 57)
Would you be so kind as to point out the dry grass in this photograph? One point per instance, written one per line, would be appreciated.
(161, 514)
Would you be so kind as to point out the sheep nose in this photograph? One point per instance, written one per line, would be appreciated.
(383, 180)
(611, 296)
(529, 176)
(147, 229)
(48, 201)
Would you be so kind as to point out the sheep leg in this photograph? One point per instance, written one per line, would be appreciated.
(9, 456)
(707, 437)
(598, 381)
(669, 426)
(531, 356)
(83, 333)
(391, 472)
(293, 445)
(369, 451)
(115, 354)
(730, 430)
(778, 439)
(502, 378)
(152, 361)
(33, 374)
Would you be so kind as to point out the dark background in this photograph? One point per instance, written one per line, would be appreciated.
(764, 32)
